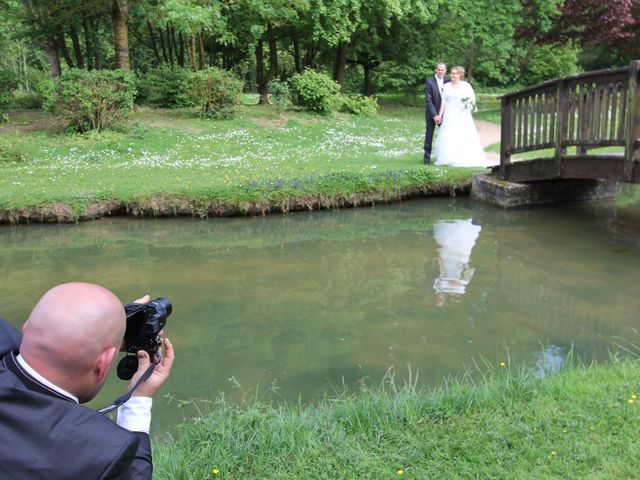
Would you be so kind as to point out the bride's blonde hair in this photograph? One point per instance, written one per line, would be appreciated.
(460, 70)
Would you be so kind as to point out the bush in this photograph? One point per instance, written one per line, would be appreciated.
(315, 91)
(545, 62)
(29, 100)
(280, 94)
(95, 100)
(8, 83)
(217, 91)
(359, 105)
(167, 87)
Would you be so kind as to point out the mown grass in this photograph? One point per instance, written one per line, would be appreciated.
(261, 155)
(581, 423)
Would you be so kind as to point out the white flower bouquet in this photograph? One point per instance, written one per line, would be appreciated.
(469, 104)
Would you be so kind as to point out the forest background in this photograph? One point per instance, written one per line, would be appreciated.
(367, 46)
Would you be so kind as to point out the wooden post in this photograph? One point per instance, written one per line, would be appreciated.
(562, 111)
(632, 146)
(506, 135)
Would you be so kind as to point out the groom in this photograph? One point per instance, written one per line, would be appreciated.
(433, 96)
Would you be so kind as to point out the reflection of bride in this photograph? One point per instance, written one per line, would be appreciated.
(458, 143)
(456, 239)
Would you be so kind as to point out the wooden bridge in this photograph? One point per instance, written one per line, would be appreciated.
(569, 118)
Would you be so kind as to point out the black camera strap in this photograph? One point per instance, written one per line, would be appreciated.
(123, 399)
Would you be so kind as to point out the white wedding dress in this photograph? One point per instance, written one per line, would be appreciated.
(458, 143)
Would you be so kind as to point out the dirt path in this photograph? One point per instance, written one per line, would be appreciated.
(489, 134)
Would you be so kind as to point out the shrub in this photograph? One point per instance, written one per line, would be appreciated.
(8, 83)
(29, 100)
(545, 62)
(280, 94)
(359, 105)
(167, 87)
(95, 100)
(217, 91)
(315, 91)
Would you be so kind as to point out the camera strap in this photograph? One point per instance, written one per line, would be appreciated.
(123, 399)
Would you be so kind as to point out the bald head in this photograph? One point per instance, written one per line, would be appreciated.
(67, 332)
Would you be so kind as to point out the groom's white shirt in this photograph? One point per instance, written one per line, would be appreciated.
(440, 83)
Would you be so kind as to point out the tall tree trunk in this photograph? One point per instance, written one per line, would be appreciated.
(192, 53)
(273, 57)
(261, 77)
(62, 46)
(201, 51)
(297, 60)
(95, 24)
(341, 65)
(310, 56)
(212, 54)
(368, 87)
(154, 44)
(169, 45)
(77, 50)
(54, 59)
(48, 46)
(88, 43)
(181, 54)
(162, 46)
(120, 19)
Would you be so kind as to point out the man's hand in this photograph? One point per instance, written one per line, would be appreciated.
(437, 119)
(151, 385)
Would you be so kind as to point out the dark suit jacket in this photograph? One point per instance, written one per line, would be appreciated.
(432, 96)
(43, 435)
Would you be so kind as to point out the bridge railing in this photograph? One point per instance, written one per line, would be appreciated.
(586, 111)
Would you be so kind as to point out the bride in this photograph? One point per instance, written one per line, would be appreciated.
(458, 143)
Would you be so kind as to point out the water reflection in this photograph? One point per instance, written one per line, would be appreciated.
(335, 298)
(456, 239)
(550, 360)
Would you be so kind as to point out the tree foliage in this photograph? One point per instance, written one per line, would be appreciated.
(364, 45)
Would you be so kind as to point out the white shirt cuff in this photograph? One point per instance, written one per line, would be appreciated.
(135, 414)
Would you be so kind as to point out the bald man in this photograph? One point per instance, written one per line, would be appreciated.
(68, 346)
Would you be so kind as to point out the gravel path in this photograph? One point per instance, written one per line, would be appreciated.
(489, 134)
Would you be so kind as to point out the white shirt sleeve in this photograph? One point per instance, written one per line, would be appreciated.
(135, 414)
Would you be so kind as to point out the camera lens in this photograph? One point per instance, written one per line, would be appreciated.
(162, 304)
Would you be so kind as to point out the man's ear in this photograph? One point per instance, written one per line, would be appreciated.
(104, 362)
(25, 326)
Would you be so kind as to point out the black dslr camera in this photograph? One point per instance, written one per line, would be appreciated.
(144, 322)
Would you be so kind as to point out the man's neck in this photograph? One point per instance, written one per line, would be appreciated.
(23, 363)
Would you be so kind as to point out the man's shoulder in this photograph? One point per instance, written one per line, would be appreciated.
(10, 337)
(49, 434)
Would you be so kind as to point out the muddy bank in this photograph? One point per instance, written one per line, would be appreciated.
(174, 206)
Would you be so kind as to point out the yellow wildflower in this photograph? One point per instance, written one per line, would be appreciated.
(400, 471)
(502, 364)
(631, 401)
(634, 396)
(553, 453)
(215, 471)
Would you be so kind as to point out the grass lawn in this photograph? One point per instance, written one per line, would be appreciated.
(581, 423)
(263, 155)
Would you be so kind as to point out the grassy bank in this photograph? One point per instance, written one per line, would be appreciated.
(172, 162)
(582, 423)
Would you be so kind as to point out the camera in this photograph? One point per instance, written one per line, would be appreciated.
(144, 323)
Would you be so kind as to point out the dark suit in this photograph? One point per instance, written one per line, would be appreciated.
(48, 436)
(433, 104)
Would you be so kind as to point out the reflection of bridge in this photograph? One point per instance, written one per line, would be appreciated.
(566, 120)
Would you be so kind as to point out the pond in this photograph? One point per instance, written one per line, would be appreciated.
(297, 306)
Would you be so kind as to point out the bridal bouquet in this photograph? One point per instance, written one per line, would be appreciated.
(469, 104)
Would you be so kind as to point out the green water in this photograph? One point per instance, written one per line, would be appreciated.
(314, 303)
